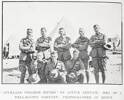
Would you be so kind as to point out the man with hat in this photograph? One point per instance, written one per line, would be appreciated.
(82, 45)
(27, 48)
(43, 53)
(98, 53)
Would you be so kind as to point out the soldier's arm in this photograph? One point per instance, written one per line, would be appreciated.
(68, 44)
(104, 39)
(22, 47)
(84, 46)
(56, 45)
(43, 44)
(92, 41)
(47, 42)
(101, 40)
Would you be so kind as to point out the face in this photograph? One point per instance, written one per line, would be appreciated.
(75, 55)
(54, 56)
(43, 31)
(81, 32)
(96, 29)
(62, 32)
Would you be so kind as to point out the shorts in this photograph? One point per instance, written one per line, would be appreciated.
(98, 64)
(64, 56)
(46, 54)
(23, 65)
(85, 62)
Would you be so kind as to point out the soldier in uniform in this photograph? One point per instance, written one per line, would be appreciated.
(55, 70)
(75, 69)
(82, 45)
(6, 51)
(62, 46)
(98, 53)
(43, 53)
(26, 47)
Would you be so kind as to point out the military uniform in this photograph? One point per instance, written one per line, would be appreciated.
(43, 53)
(59, 66)
(98, 54)
(76, 67)
(26, 47)
(6, 51)
(63, 51)
(82, 45)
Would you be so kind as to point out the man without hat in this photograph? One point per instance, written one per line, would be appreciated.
(27, 49)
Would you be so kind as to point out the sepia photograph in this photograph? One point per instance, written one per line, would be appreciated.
(62, 43)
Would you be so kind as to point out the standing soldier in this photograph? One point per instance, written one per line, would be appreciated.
(6, 51)
(43, 53)
(98, 53)
(26, 47)
(82, 45)
(62, 45)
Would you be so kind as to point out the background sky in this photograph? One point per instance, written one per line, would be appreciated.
(18, 16)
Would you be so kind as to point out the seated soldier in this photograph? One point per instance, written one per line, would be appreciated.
(75, 68)
(34, 78)
(55, 70)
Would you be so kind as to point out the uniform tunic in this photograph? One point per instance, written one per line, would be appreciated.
(26, 47)
(63, 51)
(74, 66)
(61, 69)
(82, 45)
(43, 48)
(98, 52)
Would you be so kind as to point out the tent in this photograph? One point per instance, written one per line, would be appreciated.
(69, 29)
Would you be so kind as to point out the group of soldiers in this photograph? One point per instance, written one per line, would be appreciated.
(58, 66)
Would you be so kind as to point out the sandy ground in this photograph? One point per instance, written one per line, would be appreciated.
(113, 71)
